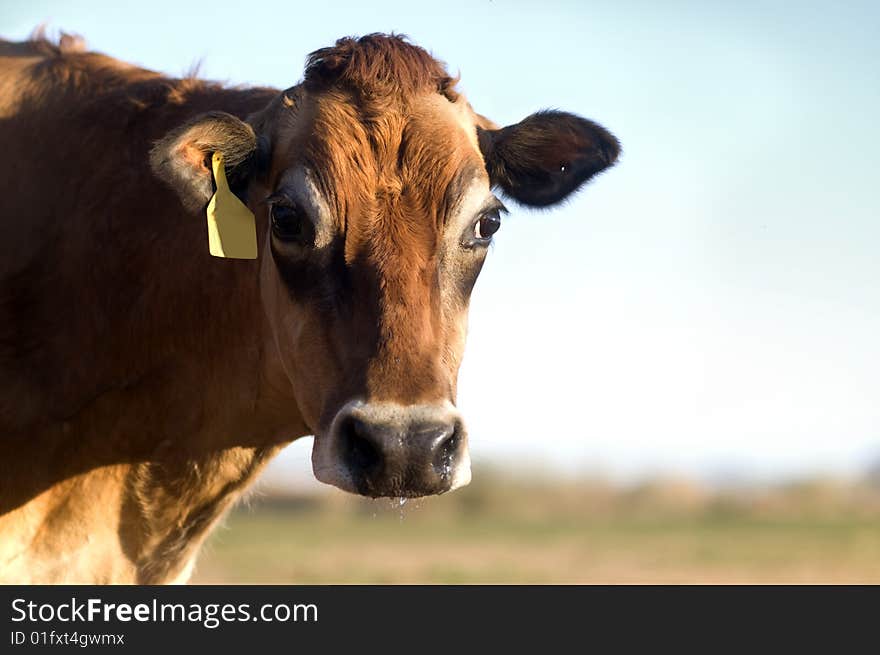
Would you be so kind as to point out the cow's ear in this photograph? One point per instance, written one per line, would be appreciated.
(545, 157)
(182, 159)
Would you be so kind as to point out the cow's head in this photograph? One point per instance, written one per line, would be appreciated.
(372, 181)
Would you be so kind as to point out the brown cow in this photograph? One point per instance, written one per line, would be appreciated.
(144, 383)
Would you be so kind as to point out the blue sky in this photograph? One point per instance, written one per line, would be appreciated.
(712, 305)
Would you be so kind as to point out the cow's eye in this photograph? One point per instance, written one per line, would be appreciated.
(290, 223)
(487, 225)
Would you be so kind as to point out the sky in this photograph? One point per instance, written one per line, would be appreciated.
(709, 307)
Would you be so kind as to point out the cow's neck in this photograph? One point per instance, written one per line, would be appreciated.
(183, 488)
(139, 405)
(126, 489)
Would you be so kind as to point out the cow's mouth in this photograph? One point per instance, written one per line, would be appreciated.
(393, 451)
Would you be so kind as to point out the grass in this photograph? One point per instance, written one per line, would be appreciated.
(580, 532)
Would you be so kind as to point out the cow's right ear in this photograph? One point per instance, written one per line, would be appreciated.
(183, 158)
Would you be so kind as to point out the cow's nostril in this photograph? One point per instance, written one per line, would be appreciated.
(361, 453)
(444, 456)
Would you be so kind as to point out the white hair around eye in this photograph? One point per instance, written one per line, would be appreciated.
(477, 195)
(299, 186)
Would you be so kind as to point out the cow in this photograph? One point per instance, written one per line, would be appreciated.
(144, 383)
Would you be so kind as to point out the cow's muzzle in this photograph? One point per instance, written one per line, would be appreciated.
(385, 449)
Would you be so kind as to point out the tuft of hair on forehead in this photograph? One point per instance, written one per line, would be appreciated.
(378, 64)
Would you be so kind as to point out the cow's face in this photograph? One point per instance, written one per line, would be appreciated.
(374, 180)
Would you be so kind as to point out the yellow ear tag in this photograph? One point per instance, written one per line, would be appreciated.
(232, 228)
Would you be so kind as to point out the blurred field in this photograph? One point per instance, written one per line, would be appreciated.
(504, 530)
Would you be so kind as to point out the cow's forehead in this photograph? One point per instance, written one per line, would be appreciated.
(366, 157)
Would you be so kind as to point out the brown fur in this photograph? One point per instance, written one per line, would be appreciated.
(120, 341)
(143, 383)
(378, 66)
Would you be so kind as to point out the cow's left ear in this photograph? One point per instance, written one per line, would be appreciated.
(547, 156)
(182, 159)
